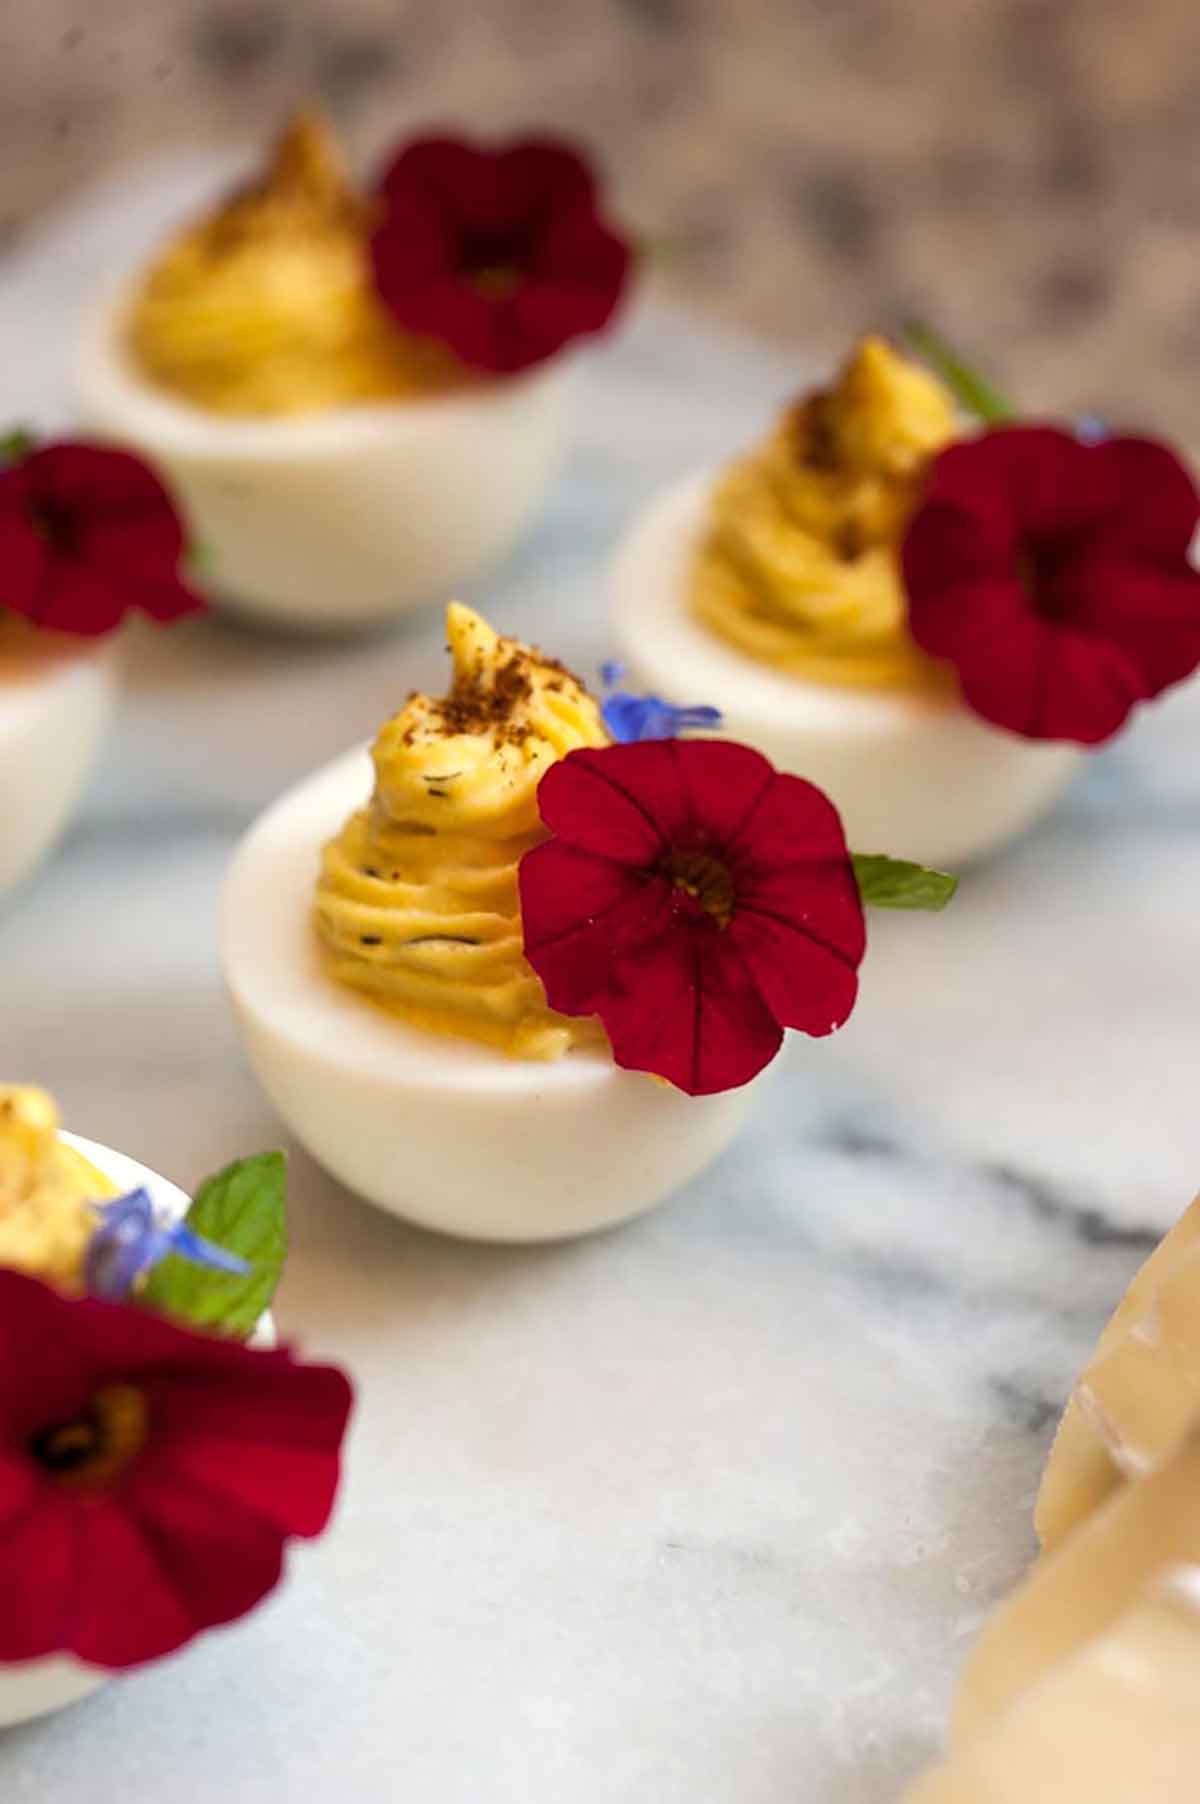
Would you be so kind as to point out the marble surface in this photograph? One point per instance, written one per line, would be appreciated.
(707, 1508)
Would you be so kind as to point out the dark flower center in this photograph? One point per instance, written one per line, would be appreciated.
(93, 1449)
(494, 262)
(1040, 564)
(705, 879)
(56, 523)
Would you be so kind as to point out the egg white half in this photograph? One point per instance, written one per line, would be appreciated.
(344, 518)
(53, 713)
(443, 1131)
(915, 775)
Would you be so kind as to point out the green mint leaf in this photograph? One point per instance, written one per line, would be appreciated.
(895, 883)
(972, 391)
(15, 445)
(242, 1210)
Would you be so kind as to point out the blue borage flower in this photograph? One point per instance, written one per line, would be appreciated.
(633, 717)
(131, 1240)
(1090, 429)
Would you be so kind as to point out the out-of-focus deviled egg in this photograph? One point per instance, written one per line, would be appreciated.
(338, 468)
(89, 536)
(56, 697)
(391, 1014)
(158, 1451)
(773, 591)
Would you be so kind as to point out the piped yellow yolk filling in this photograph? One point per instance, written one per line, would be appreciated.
(46, 1190)
(267, 307)
(417, 903)
(799, 566)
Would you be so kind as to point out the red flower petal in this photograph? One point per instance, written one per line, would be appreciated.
(122, 1604)
(692, 996)
(64, 1365)
(1054, 575)
(97, 485)
(1035, 480)
(633, 803)
(544, 177)
(291, 1488)
(486, 190)
(1154, 500)
(448, 178)
(76, 599)
(575, 907)
(242, 1452)
(626, 810)
(39, 1555)
(689, 1010)
(19, 1490)
(213, 1559)
(1150, 615)
(799, 922)
(499, 254)
(24, 555)
(944, 537)
(87, 535)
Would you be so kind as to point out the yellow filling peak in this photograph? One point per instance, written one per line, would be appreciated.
(267, 305)
(800, 565)
(46, 1190)
(417, 903)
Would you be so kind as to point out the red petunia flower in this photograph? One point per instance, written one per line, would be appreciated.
(88, 535)
(500, 254)
(1055, 576)
(697, 901)
(149, 1476)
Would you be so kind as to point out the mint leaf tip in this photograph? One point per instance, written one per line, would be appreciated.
(242, 1211)
(897, 883)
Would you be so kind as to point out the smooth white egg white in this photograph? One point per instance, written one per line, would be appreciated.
(443, 1131)
(32, 1688)
(345, 518)
(914, 775)
(54, 709)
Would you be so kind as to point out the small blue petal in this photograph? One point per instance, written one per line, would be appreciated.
(130, 1241)
(1090, 429)
(134, 1207)
(633, 717)
(194, 1247)
(611, 673)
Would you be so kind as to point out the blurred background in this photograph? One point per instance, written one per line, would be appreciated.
(1027, 172)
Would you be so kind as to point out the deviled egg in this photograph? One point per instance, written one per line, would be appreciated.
(152, 1439)
(56, 697)
(772, 591)
(337, 471)
(390, 1013)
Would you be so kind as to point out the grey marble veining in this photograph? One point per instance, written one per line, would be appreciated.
(709, 1507)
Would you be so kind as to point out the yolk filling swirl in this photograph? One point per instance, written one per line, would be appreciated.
(417, 902)
(46, 1191)
(799, 567)
(267, 306)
